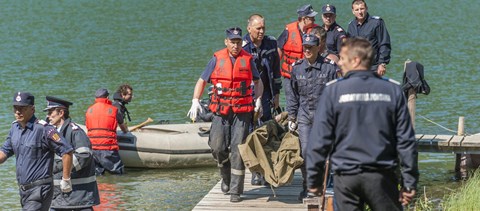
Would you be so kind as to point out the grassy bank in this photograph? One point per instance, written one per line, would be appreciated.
(464, 198)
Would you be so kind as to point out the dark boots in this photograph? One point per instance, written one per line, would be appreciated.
(225, 174)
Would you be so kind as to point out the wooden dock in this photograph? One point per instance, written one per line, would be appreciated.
(262, 197)
(449, 143)
(256, 197)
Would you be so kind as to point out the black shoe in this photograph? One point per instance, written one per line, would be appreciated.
(235, 198)
(225, 187)
(303, 194)
(256, 180)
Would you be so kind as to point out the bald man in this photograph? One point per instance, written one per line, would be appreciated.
(263, 48)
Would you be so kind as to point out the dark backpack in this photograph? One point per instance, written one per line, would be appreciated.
(413, 78)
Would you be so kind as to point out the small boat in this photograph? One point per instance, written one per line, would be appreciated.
(166, 146)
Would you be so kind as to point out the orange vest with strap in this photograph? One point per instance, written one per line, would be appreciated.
(101, 122)
(232, 83)
(293, 49)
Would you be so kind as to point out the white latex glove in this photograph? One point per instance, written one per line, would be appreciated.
(292, 126)
(258, 105)
(66, 185)
(194, 109)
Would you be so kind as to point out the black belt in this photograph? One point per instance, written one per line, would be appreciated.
(36, 183)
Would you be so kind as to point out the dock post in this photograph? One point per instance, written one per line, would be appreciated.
(461, 158)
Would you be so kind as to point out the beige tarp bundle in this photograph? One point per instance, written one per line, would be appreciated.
(272, 151)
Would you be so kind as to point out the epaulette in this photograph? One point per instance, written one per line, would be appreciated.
(42, 122)
(244, 43)
(376, 17)
(74, 126)
(271, 38)
(297, 62)
(328, 61)
(391, 80)
(333, 81)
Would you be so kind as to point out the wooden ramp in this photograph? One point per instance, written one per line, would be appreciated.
(449, 143)
(256, 197)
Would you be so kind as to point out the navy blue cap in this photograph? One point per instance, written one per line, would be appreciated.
(54, 102)
(101, 93)
(234, 33)
(23, 99)
(306, 10)
(310, 39)
(328, 8)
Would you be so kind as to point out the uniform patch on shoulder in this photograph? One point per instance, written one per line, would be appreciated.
(244, 43)
(53, 134)
(74, 126)
(340, 29)
(42, 122)
(333, 81)
(376, 17)
(391, 80)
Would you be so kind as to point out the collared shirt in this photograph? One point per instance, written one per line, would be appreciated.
(267, 62)
(34, 147)
(375, 31)
(335, 35)
(308, 81)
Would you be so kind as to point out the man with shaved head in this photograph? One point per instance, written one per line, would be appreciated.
(263, 48)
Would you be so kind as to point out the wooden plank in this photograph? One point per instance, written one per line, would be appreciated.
(456, 141)
(426, 143)
(418, 136)
(256, 197)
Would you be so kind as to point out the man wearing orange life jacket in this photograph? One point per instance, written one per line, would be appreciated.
(231, 71)
(101, 121)
(289, 43)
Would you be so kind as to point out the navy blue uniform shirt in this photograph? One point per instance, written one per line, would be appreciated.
(267, 62)
(365, 119)
(308, 81)
(335, 35)
(34, 147)
(211, 66)
(375, 31)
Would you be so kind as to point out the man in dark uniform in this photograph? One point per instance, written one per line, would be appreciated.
(363, 125)
(34, 143)
(335, 33)
(232, 72)
(374, 30)
(309, 77)
(84, 184)
(264, 51)
(121, 98)
(263, 48)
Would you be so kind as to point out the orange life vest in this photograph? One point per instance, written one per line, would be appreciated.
(101, 122)
(232, 83)
(293, 49)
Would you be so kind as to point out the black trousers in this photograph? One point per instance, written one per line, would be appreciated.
(37, 198)
(377, 189)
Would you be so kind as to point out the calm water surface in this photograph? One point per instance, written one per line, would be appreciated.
(71, 48)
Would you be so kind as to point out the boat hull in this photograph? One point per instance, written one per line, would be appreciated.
(166, 146)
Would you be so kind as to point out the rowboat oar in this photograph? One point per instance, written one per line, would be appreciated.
(136, 127)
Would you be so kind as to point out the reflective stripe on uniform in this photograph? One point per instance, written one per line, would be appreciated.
(238, 172)
(83, 150)
(221, 163)
(78, 181)
(75, 163)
